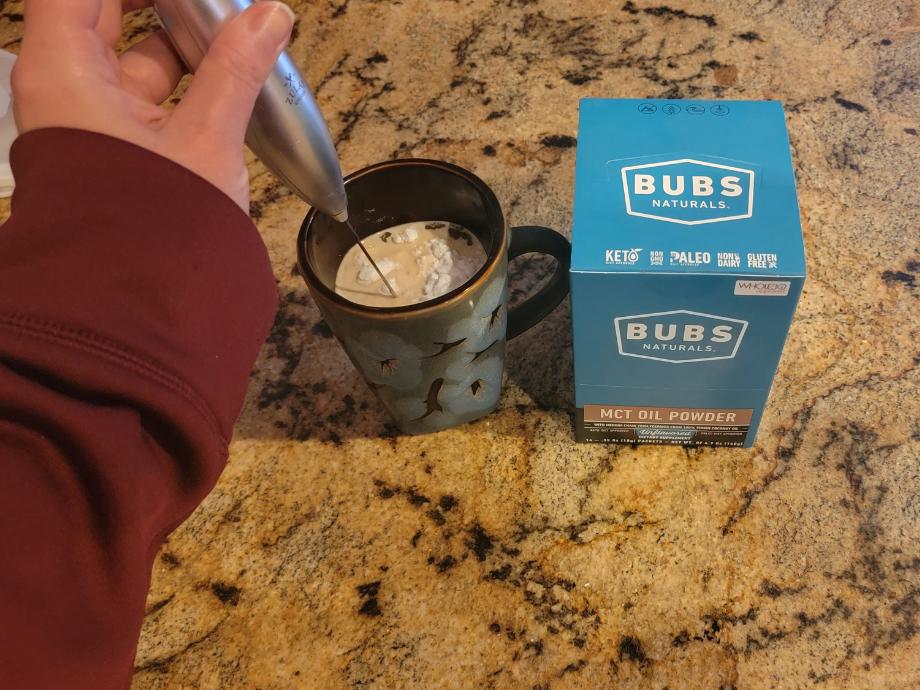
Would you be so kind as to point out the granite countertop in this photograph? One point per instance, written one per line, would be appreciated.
(337, 554)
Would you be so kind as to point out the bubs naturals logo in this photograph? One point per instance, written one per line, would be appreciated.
(688, 191)
(679, 336)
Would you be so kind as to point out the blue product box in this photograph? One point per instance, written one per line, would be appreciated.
(687, 264)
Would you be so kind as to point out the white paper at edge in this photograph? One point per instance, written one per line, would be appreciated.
(7, 124)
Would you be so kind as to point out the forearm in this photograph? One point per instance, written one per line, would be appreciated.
(134, 297)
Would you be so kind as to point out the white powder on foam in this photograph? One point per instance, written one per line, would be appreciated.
(439, 267)
(410, 234)
(438, 279)
(367, 274)
(446, 269)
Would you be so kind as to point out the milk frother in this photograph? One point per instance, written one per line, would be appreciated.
(287, 130)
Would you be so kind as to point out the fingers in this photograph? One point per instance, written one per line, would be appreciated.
(54, 17)
(59, 41)
(151, 70)
(46, 17)
(110, 22)
(226, 84)
(111, 14)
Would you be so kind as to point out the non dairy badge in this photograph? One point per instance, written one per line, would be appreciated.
(688, 191)
(679, 336)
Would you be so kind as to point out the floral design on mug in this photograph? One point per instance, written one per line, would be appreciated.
(386, 359)
(447, 404)
(488, 322)
(428, 413)
(478, 392)
(441, 375)
(460, 368)
(469, 375)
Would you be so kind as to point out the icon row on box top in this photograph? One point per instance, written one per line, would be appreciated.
(718, 109)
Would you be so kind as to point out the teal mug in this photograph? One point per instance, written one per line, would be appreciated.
(439, 363)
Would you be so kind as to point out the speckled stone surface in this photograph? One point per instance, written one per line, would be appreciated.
(335, 554)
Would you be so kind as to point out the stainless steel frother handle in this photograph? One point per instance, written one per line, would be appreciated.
(287, 131)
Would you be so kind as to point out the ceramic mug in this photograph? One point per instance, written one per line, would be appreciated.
(439, 363)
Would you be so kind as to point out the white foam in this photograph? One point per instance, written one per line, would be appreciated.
(367, 274)
(428, 259)
(410, 234)
(465, 267)
(436, 285)
(440, 275)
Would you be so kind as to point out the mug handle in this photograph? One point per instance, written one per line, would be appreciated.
(530, 239)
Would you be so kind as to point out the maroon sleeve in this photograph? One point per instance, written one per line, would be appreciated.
(134, 297)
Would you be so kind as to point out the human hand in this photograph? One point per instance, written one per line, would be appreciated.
(69, 75)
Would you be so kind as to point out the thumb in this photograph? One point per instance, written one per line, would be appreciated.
(220, 99)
